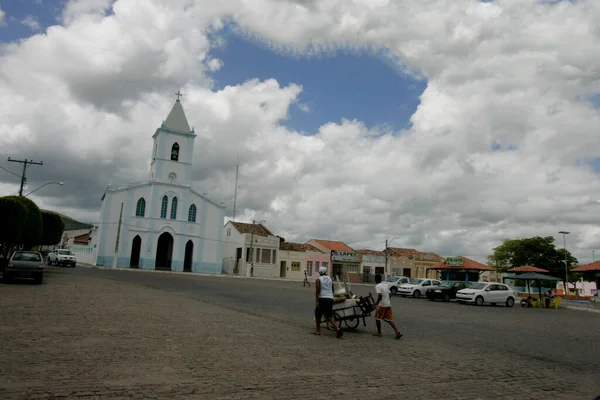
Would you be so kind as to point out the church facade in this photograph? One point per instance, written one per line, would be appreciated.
(163, 223)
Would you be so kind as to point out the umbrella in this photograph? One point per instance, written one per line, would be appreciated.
(533, 276)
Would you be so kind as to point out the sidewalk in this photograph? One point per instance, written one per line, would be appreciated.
(208, 275)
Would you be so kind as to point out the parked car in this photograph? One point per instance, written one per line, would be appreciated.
(25, 264)
(62, 257)
(447, 290)
(394, 282)
(417, 287)
(487, 292)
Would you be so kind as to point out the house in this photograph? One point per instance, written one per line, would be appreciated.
(238, 237)
(344, 261)
(372, 263)
(412, 263)
(163, 223)
(460, 269)
(295, 258)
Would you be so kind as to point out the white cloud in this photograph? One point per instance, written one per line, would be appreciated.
(87, 96)
(2, 17)
(31, 22)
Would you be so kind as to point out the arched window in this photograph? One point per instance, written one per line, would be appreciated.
(163, 207)
(174, 208)
(192, 213)
(140, 208)
(175, 152)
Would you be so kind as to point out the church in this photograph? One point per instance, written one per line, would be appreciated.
(163, 224)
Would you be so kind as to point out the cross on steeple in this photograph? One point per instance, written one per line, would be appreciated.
(178, 94)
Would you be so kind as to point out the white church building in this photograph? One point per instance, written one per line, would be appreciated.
(164, 223)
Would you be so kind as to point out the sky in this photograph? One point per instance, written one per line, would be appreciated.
(447, 125)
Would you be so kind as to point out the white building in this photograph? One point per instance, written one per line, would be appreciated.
(163, 223)
(372, 262)
(265, 249)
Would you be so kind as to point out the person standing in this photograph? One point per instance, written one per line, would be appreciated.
(383, 311)
(324, 299)
(306, 282)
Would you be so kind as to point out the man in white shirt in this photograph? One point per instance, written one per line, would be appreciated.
(384, 307)
(306, 282)
(324, 302)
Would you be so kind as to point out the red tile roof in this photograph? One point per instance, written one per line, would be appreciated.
(291, 246)
(333, 245)
(259, 229)
(528, 268)
(595, 266)
(82, 239)
(468, 265)
(412, 253)
(371, 252)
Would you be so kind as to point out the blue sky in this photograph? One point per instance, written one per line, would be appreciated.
(335, 86)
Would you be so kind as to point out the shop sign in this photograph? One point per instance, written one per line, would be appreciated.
(347, 256)
(455, 261)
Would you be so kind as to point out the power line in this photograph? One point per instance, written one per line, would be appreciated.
(10, 172)
(24, 162)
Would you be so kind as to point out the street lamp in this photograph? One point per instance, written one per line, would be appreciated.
(386, 252)
(593, 255)
(45, 184)
(565, 233)
(252, 242)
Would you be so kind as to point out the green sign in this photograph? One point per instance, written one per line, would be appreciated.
(455, 261)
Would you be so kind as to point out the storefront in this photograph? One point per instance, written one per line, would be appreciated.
(345, 263)
(460, 269)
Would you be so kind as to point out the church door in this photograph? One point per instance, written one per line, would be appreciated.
(136, 246)
(189, 256)
(164, 252)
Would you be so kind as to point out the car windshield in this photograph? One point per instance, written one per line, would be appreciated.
(65, 252)
(22, 256)
(478, 286)
(446, 284)
(416, 281)
(392, 279)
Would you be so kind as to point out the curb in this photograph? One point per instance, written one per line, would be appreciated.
(588, 309)
(207, 275)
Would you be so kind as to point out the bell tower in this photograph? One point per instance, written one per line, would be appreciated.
(173, 149)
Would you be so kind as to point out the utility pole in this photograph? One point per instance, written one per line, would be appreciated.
(24, 162)
(565, 233)
(593, 255)
(251, 243)
(237, 171)
(386, 256)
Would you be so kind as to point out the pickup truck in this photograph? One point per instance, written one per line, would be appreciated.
(25, 264)
(61, 257)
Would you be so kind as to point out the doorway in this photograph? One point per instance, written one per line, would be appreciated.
(282, 270)
(189, 256)
(337, 271)
(164, 252)
(136, 247)
(238, 260)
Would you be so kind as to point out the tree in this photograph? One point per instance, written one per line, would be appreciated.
(32, 227)
(14, 216)
(52, 228)
(536, 251)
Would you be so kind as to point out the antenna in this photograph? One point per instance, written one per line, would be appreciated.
(237, 172)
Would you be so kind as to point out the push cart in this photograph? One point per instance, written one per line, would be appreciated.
(351, 312)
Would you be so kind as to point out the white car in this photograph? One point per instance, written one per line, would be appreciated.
(417, 287)
(62, 257)
(394, 282)
(487, 292)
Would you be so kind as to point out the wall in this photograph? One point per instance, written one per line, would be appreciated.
(206, 233)
(293, 256)
(399, 264)
(372, 261)
(321, 259)
(84, 254)
(230, 245)
(264, 268)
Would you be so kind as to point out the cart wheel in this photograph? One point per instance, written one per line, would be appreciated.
(337, 320)
(352, 323)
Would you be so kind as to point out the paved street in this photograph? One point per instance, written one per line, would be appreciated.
(127, 334)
